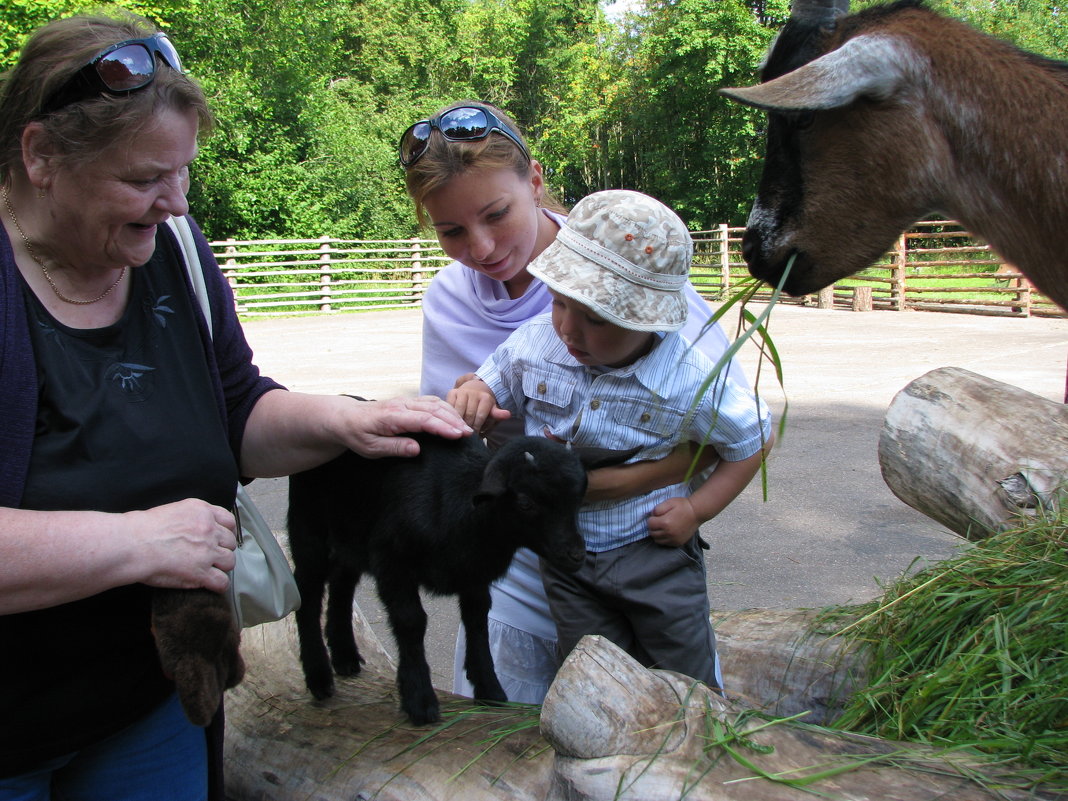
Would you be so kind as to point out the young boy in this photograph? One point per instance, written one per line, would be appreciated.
(606, 368)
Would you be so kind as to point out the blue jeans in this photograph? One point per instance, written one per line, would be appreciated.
(162, 757)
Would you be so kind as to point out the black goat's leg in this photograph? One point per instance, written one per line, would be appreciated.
(311, 558)
(407, 618)
(344, 652)
(478, 661)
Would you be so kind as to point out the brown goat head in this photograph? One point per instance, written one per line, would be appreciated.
(881, 118)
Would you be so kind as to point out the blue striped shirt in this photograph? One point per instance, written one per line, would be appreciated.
(650, 404)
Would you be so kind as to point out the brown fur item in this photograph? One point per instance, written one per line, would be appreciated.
(199, 648)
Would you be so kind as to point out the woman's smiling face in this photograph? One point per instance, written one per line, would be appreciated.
(488, 219)
(106, 211)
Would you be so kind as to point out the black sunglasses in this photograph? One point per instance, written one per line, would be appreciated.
(463, 124)
(118, 70)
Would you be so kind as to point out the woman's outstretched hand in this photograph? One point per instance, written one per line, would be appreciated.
(375, 428)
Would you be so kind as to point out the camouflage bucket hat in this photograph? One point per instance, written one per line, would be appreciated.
(626, 256)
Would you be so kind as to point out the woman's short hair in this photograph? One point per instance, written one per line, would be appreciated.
(80, 130)
(443, 160)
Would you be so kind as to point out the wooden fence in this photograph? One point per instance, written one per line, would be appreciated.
(297, 276)
(934, 266)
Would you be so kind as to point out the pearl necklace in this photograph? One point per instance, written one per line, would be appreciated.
(41, 264)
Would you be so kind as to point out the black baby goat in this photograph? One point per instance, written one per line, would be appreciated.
(450, 521)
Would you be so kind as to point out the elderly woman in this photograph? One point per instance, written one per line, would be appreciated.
(125, 424)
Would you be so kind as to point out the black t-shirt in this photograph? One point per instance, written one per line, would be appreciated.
(126, 420)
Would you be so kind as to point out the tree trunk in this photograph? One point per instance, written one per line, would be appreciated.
(619, 730)
(624, 733)
(973, 453)
(281, 745)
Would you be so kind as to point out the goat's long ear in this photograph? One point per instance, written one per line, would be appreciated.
(867, 66)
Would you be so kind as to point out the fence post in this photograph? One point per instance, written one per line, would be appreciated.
(417, 271)
(230, 270)
(324, 274)
(825, 298)
(862, 298)
(897, 274)
(724, 259)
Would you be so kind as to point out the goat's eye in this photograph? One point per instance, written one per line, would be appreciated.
(804, 119)
(525, 503)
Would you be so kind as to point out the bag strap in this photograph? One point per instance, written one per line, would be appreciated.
(184, 234)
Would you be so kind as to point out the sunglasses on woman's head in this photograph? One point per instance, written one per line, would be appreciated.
(118, 70)
(463, 124)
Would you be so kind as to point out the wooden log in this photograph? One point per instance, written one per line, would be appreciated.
(782, 662)
(825, 298)
(973, 453)
(616, 727)
(626, 733)
(862, 301)
(281, 745)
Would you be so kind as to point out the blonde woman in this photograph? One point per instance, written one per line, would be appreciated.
(473, 181)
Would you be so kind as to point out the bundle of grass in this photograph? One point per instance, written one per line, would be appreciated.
(973, 652)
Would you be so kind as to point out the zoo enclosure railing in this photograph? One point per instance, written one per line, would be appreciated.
(934, 266)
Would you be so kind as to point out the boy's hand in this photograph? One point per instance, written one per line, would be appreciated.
(673, 522)
(475, 403)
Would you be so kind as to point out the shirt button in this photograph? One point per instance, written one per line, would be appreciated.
(541, 388)
(646, 417)
(595, 404)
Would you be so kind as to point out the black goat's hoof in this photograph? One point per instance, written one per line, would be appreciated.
(347, 665)
(422, 714)
(319, 688)
(494, 697)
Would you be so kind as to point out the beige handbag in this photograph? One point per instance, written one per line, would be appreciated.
(262, 587)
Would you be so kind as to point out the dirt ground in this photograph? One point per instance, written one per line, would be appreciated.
(830, 530)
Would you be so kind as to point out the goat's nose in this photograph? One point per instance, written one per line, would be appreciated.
(748, 246)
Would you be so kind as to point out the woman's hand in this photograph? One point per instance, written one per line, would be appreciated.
(288, 432)
(475, 402)
(374, 428)
(53, 558)
(630, 480)
(186, 545)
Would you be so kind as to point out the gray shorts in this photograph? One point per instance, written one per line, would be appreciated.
(648, 599)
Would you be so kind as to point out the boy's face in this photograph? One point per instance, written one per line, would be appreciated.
(593, 341)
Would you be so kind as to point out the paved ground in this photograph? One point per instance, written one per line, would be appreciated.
(830, 529)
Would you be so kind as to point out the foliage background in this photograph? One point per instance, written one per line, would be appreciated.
(311, 96)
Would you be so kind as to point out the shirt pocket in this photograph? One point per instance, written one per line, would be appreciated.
(650, 416)
(548, 392)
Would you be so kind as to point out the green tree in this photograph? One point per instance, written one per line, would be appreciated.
(691, 148)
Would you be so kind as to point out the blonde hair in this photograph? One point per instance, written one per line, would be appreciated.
(443, 160)
(79, 131)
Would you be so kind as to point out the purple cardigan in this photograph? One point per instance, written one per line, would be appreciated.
(237, 381)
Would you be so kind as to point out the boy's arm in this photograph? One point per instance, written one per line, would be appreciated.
(674, 521)
(475, 402)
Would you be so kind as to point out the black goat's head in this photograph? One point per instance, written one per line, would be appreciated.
(539, 484)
